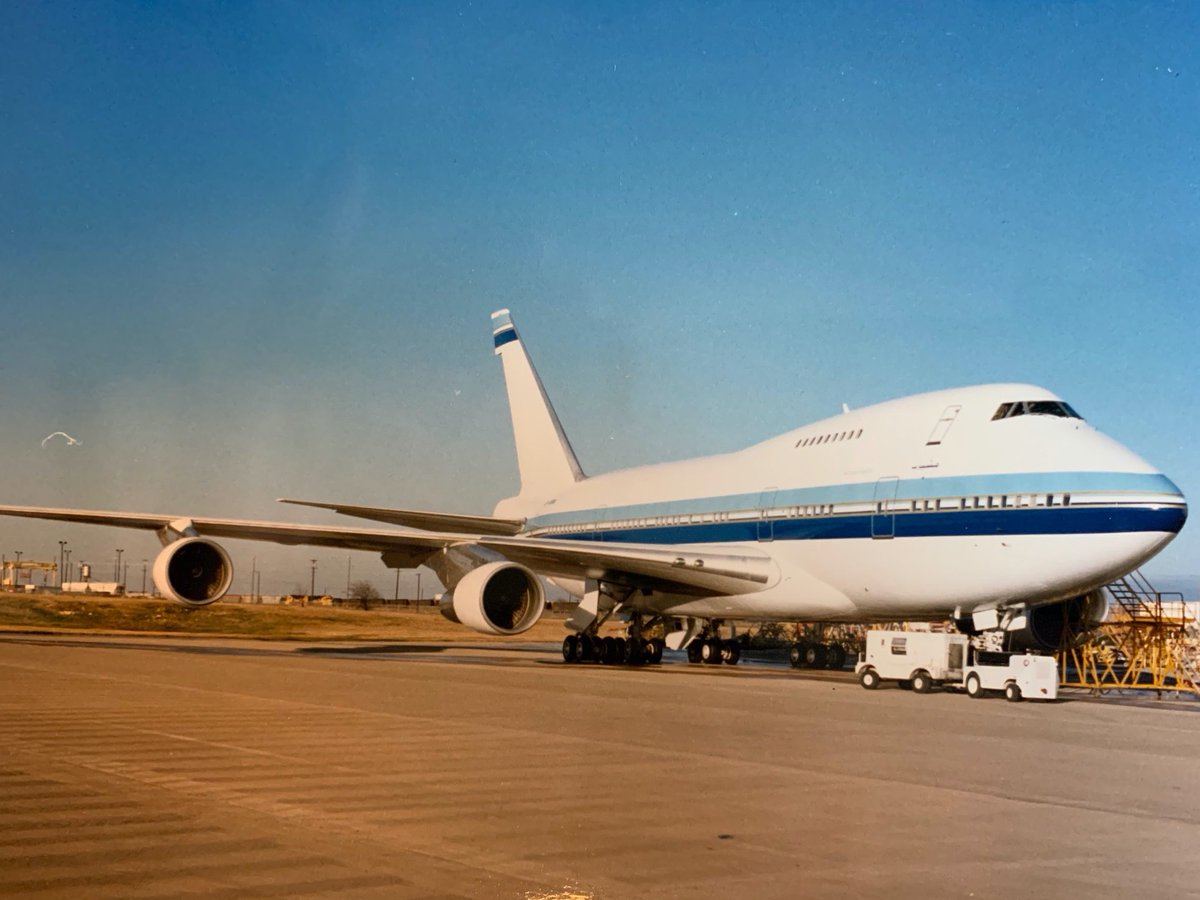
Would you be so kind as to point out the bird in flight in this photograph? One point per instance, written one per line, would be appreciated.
(70, 440)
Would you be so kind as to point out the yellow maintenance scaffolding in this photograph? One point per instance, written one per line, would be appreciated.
(1150, 642)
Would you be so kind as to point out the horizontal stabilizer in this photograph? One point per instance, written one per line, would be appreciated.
(427, 521)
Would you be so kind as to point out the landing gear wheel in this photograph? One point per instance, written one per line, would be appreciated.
(581, 643)
(710, 652)
(1012, 693)
(693, 650)
(814, 656)
(657, 645)
(836, 658)
(869, 679)
(568, 648)
(631, 654)
(974, 687)
(608, 653)
(731, 652)
(922, 683)
(796, 655)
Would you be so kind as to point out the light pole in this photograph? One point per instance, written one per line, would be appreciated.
(117, 570)
(397, 595)
(62, 548)
(312, 579)
(67, 569)
(418, 591)
(347, 576)
(143, 576)
(17, 572)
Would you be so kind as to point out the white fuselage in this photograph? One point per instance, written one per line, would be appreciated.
(919, 507)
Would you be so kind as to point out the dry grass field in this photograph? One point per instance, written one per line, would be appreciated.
(128, 615)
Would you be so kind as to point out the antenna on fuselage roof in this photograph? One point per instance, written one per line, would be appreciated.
(845, 408)
(545, 459)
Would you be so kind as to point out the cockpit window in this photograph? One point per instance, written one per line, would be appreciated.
(1036, 408)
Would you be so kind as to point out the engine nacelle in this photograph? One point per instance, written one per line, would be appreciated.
(193, 571)
(497, 598)
(1044, 627)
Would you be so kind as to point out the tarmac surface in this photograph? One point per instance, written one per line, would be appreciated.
(171, 768)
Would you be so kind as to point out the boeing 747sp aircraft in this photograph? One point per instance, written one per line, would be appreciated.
(996, 505)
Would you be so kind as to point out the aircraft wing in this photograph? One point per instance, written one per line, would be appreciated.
(693, 568)
(684, 568)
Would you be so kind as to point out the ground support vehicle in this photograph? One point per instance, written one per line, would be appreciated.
(917, 659)
(1021, 676)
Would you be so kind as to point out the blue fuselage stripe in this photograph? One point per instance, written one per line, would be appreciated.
(963, 523)
(507, 336)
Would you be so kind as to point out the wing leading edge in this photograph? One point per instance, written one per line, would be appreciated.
(414, 518)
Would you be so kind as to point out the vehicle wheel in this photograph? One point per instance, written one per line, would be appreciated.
(836, 657)
(974, 686)
(869, 679)
(796, 656)
(815, 655)
(568, 648)
(693, 650)
(731, 652)
(922, 683)
(1012, 693)
(581, 642)
(710, 652)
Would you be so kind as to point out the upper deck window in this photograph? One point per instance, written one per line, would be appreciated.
(1036, 408)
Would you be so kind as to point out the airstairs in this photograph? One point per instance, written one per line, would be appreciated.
(1150, 642)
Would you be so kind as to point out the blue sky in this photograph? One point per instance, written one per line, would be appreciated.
(249, 251)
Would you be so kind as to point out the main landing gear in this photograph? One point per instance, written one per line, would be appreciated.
(814, 655)
(612, 651)
(710, 648)
(714, 651)
(637, 648)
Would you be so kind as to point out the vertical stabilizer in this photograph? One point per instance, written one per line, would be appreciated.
(544, 456)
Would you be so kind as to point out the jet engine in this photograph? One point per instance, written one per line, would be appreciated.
(1044, 627)
(193, 571)
(497, 598)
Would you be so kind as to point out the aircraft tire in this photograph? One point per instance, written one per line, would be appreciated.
(656, 655)
(815, 656)
(568, 648)
(731, 652)
(693, 650)
(631, 651)
(836, 657)
(710, 652)
(796, 656)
